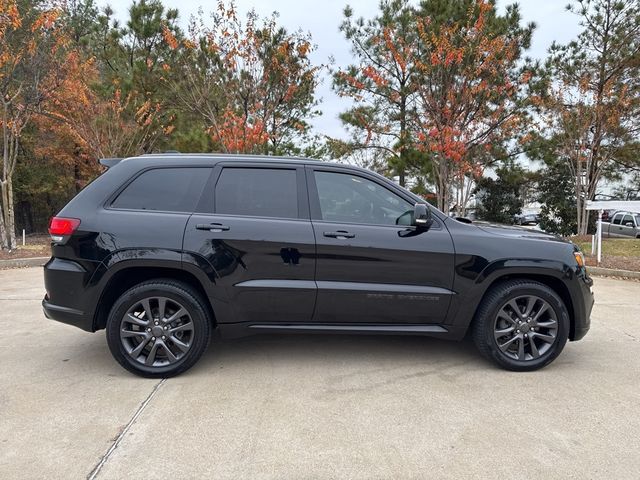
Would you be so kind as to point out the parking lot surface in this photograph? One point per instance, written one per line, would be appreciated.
(317, 406)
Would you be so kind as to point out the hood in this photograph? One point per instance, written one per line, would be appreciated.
(517, 232)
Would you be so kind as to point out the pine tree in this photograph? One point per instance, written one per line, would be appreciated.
(592, 104)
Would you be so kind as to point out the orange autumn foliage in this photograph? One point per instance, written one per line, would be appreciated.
(470, 103)
(30, 73)
(237, 134)
(100, 127)
(256, 87)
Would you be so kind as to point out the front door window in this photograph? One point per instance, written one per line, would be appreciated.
(352, 199)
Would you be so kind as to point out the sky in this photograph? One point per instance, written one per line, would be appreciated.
(322, 19)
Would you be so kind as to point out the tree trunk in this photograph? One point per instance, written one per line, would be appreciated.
(4, 241)
(403, 141)
(3, 230)
(11, 224)
(578, 190)
(3, 211)
(578, 210)
(442, 188)
(6, 190)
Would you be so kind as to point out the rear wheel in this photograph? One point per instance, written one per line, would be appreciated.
(521, 325)
(158, 328)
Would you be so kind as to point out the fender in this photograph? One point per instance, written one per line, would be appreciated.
(194, 264)
(134, 257)
(201, 268)
(471, 289)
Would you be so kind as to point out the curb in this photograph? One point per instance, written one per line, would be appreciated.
(23, 262)
(612, 272)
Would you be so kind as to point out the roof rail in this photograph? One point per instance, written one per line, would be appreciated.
(109, 162)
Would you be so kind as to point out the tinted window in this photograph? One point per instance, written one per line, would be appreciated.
(164, 189)
(617, 219)
(353, 199)
(627, 219)
(257, 192)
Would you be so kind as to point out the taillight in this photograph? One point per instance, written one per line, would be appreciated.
(60, 227)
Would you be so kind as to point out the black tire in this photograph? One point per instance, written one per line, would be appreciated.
(196, 318)
(490, 320)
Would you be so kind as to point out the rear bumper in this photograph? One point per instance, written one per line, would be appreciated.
(67, 299)
(67, 315)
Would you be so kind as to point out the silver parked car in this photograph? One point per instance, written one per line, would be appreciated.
(623, 224)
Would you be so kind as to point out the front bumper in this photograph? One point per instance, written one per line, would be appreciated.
(583, 301)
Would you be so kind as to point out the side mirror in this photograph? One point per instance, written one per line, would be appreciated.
(628, 224)
(422, 216)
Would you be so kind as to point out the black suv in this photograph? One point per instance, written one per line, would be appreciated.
(162, 249)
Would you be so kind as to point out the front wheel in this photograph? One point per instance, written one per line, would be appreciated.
(159, 328)
(521, 325)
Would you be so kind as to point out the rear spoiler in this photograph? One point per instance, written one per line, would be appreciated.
(109, 162)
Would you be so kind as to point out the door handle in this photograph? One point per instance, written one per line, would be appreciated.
(212, 227)
(339, 234)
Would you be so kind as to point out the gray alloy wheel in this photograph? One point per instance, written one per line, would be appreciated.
(521, 325)
(156, 331)
(159, 328)
(525, 328)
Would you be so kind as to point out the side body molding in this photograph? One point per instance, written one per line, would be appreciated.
(350, 286)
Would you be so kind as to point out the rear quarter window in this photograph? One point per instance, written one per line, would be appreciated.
(164, 189)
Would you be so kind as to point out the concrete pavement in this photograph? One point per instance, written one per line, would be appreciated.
(317, 406)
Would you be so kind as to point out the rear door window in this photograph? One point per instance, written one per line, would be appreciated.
(257, 192)
(164, 189)
(616, 219)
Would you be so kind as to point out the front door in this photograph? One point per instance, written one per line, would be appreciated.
(259, 241)
(628, 226)
(372, 266)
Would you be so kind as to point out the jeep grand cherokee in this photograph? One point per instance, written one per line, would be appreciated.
(162, 249)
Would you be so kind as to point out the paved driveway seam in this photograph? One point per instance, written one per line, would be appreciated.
(96, 470)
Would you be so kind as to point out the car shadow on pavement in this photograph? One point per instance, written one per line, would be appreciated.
(298, 351)
(307, 350)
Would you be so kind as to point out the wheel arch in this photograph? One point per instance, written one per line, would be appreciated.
(551, 281)
(128, 276)
(472, 287)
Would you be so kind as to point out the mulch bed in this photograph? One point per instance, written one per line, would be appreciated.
(36, 246)
(619, 263)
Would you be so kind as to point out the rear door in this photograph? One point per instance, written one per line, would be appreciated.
(258, 239)
(615, 227)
